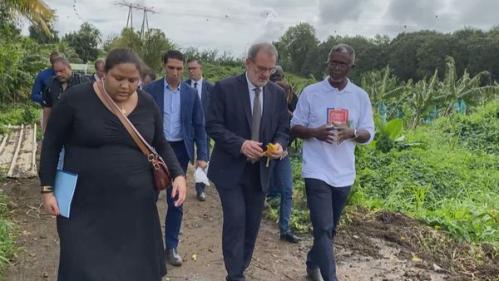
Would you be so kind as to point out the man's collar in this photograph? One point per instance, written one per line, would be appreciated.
(347, 88)
(167, 86)
(197, 81)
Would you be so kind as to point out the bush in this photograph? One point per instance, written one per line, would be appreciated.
(448, 180)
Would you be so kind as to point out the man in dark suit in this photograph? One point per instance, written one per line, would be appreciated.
(183, 127)
(204, 89)
(244, 115)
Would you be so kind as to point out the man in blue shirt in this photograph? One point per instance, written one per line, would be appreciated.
(183, 120)
(42, 78)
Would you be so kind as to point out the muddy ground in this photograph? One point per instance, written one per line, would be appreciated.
(368, 248)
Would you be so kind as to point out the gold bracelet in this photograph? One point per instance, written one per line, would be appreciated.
(47, 189)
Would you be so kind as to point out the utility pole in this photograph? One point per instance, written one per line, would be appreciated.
(145, 21)
(129, 21)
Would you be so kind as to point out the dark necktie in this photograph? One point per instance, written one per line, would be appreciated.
(257, 116)
(195, 85)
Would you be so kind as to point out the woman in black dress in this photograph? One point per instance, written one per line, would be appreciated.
(113, 233)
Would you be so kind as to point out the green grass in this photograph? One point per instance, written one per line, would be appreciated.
(17, 114)
(450, 181)
(7, 234)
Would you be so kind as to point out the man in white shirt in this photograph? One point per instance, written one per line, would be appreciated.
(328, 152)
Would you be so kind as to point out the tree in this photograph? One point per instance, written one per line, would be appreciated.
(36, 11)
(37, 34)
(150, 48)
(85, 42)
(297, 47)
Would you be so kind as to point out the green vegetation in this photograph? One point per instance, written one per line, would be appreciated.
(411, 55)
(17, 114)
(449, 181)
(446, 174)
(7, 234)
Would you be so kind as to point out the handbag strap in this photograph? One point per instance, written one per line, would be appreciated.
(146, 149)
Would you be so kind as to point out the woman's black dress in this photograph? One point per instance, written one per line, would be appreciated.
(113, 233)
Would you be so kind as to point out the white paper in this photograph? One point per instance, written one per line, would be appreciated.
(201, 177)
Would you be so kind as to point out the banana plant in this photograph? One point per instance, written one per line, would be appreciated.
(385, 91)
(422, 96)
(467, 88)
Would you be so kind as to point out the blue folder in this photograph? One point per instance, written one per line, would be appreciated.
(64, 189)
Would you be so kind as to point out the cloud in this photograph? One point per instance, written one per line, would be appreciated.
(339, 11)
(228, 25)
(482, 13)
(421, 13)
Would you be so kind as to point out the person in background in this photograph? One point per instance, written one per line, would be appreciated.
(281, 182)
(57, 85)
(114, 230)
(328, 152)
(203, 88)
(147, 77)
(184, 127)
(42, 78)
(99, 71)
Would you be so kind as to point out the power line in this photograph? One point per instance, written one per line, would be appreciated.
(136, 6)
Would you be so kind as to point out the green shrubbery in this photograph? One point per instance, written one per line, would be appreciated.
(7, 234)
(17, 114)
(450, 180)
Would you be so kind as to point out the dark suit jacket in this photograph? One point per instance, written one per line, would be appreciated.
(228, 122)
(206, 90)
(191, 115)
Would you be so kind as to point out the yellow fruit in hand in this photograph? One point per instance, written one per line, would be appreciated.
(271, 148)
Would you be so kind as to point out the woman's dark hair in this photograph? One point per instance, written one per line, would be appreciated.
(122, 55)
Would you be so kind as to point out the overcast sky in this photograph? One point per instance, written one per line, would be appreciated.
(233, 25)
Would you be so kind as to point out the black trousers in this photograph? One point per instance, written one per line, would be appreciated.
(326, 204)
(242, 207)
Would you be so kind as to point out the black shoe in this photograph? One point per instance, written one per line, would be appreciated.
(314, 274)
(173, 258)
(201, 196)
(290, 237)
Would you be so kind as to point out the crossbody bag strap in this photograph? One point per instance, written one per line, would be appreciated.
(146, 149)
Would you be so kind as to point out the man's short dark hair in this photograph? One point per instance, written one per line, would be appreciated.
(53, 55)
(173, 54)
(99, 61)
(195, 60)
(62, 60)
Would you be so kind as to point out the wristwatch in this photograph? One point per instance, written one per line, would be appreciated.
(355, 134)
(47, 189)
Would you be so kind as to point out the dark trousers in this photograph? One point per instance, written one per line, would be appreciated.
(326, 204)
(173, 220)
(199, 185)
(242, 207)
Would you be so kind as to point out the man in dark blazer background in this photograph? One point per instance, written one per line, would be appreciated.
(204, 89)
(183, 120)
(245, 113)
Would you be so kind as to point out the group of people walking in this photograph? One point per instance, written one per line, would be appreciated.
(114, 231)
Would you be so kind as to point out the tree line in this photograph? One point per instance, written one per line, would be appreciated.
(411, 56)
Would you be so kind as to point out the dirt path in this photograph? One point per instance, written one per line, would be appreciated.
(359, 257)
